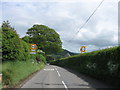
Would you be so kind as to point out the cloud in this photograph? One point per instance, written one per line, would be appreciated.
(56, 0)
(66, 18)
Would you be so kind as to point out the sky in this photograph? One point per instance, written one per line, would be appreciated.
(66, 17)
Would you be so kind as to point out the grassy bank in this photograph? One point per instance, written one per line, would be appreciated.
(0, 73)
(103, 65)
(13, 72)
(0, 86)
(0, 67)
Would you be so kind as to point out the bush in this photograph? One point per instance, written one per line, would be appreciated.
(10, 43)
(13, 48)
(103, 64)
(42, 58)
(25, 50)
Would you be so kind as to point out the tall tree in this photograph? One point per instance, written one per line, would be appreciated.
(26, 39)
(10, 42)
(46, 38)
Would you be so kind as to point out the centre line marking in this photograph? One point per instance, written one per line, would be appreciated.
(64, 85)
(58, 73)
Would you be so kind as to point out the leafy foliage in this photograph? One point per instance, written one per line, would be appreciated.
(13, 48)
(10, 43)
(26, 39)
(45, 38)
(25, 50)
(16, 56)
(0, 44)
(103, 64)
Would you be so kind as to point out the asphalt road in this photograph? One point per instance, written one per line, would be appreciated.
(57, 77)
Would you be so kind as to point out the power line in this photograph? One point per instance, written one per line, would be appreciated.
(89, 18)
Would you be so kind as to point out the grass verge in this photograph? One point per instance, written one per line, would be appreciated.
(0, 73)
(14, 72)
(0, 67)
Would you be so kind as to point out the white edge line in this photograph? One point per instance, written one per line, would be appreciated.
(64, 85)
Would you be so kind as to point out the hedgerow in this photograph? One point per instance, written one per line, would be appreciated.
(103, 64)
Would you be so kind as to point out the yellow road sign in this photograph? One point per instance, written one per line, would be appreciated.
(83, 49)
(33, 48)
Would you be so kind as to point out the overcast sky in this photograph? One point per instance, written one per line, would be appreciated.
(66, 17)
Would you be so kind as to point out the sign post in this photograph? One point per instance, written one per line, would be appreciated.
(83, 49)
(33, 50)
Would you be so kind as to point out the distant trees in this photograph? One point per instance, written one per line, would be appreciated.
(46, 38)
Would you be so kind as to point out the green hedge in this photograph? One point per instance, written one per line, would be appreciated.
(103, 64)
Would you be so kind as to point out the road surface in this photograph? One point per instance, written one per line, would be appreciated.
(56, 77)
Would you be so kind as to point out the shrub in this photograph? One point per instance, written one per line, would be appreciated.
(25, 50)
(13, 48)
(10, 43)
(42, 58)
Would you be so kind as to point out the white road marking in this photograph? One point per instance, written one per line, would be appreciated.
(49, 69)
(64, 85)
(58, 73)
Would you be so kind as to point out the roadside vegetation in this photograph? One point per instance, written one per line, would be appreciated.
(14, 72)
(17, 62)
(47, 39)
(16, 58)
(103, 64)
(0, 58)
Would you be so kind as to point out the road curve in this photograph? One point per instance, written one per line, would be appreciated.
(56, 77)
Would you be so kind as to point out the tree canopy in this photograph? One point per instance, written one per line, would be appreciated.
(47, 39)
(26, 39)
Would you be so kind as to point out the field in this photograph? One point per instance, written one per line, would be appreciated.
(103, 64)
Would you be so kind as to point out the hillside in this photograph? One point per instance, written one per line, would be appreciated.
(63, 54)
(66, 52)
